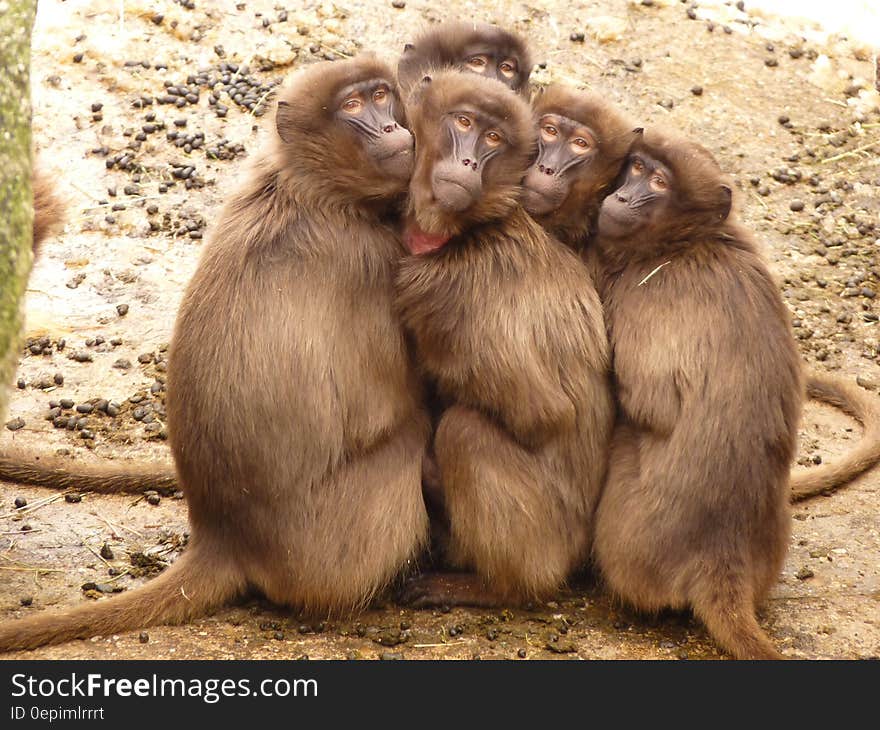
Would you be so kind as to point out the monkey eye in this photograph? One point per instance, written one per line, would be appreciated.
(581, 145)
(463, 122)
(478, 63)
(658, 183)
(508, 68)
(380, 95)
(637, 167)
(353, 105)
(493, 138)
(549, 132)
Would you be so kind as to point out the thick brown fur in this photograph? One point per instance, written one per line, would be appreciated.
(508, 325)
(49, 207)
(294, 417)
(442, 46)
(695, 509)
(575, 220)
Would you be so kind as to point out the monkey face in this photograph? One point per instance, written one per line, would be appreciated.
(483, 49)
(471, 139)
(565, 150)
(474, 139)
(493, 62)
(371, 109)
(641, 200)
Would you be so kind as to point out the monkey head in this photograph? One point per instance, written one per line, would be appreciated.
(341, 123)
(669, 190)
(473, 138)
(582, 143)
(481, 48)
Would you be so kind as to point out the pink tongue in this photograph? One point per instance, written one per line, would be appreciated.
(418, 242)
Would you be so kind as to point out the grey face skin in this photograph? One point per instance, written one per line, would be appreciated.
(565, 148)
(373, 111)
(472, 138)
(641, 199)
(497, 63)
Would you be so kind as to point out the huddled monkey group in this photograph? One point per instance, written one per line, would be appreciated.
(517, 330)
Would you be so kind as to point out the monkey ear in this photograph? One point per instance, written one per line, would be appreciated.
(408, 47)
(284, 121)
(426, 79)
(639, 131)
(726, 202)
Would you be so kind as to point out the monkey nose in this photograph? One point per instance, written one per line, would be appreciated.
(389, 128)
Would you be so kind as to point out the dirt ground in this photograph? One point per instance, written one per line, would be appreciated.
(789, 115)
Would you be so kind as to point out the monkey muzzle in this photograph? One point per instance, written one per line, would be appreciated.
(545, 189)
(393, 150)
(457, 181)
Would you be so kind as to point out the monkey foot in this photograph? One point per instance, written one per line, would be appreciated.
(433, 590)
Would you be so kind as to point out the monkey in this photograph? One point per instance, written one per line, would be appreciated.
(695, 510)
(507, 325)
(294, 414)
(582, 143)
(483, 49)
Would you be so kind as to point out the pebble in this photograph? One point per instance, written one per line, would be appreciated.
(58, 379)
(576, 37)
(20, 502)
(26, 600)
(15, 424)
(522, 654)
(804, 573)
(143, 637)
(106, 552)
(122, 309)
(153, 499)
(22, 384)
(796, 205)
(122, 364)
(697, 90)
(73, 498)
(399, 4)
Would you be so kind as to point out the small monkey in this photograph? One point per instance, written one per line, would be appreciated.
(480, 48)
(582, 143)
(295, 418)
(508, 327)
(695, 511)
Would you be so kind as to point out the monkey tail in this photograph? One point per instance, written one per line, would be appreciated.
(186, 590)
(857, 403)
(36, 470)
(49, 209)
(730, 618)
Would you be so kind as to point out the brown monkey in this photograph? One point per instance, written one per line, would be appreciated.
(582, 143)
(695, 510)
(508, 326)
(484, 49)
(294, 417)
(48, 207)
